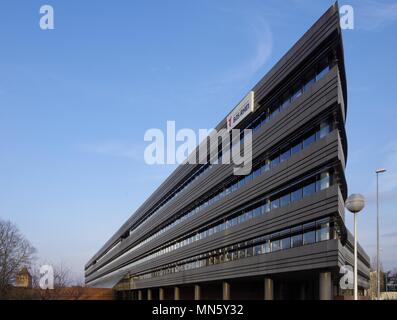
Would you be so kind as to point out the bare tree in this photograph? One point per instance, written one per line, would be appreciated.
(64, 284)
(374, 264)
(16, 252)
(62, 276)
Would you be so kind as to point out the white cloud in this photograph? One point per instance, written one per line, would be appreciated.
(262, 48)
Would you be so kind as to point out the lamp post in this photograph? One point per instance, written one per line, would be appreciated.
(355, 203)
(377, 233)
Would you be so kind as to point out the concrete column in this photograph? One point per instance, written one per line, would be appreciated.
(177, 293)
(149, 294)
(161, 293)
(225, 290)
(139, 294)
(325, 284)
(197, 292)
(269, 289)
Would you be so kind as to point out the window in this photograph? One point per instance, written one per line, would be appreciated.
(309, 140)
(285, 102)
(275, 161)
(310, 81)
(323, 182)
(274, 112)
(296, 148)
(323, 230)
(248, 215)
(234, 187)
(309, 235)
(266, 166)
(325, 128)
(234, 255)
(256, 212)
(275, 203)
(266, 247)
(228, 256)
(309, 189)
(296, 240)
(266, 207)
(276, 246)
(296, 195)
(234, 221)
(241, 183)
(257, 250)
(297, 92)
(285, 243)
(216, 259)
(284, 200)
(257, 173)
(285, 155)
(248, 178)
(322, 72)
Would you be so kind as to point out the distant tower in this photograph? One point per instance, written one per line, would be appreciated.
(24, 279)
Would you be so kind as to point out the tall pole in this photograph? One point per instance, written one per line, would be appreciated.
(377, 238)
(355, 259)
(355, 203)
(377, 233)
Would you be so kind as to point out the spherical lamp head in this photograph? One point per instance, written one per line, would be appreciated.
(355, 202)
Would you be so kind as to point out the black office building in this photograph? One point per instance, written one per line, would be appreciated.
(277, 233)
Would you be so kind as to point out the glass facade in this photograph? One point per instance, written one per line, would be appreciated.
(313, 232)
(242, 216)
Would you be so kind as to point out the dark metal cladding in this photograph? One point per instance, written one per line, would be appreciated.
(326, 99)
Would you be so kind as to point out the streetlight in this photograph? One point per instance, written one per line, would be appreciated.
(377, 232)
(355, 203)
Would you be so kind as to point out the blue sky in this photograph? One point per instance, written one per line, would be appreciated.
(76, 101)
